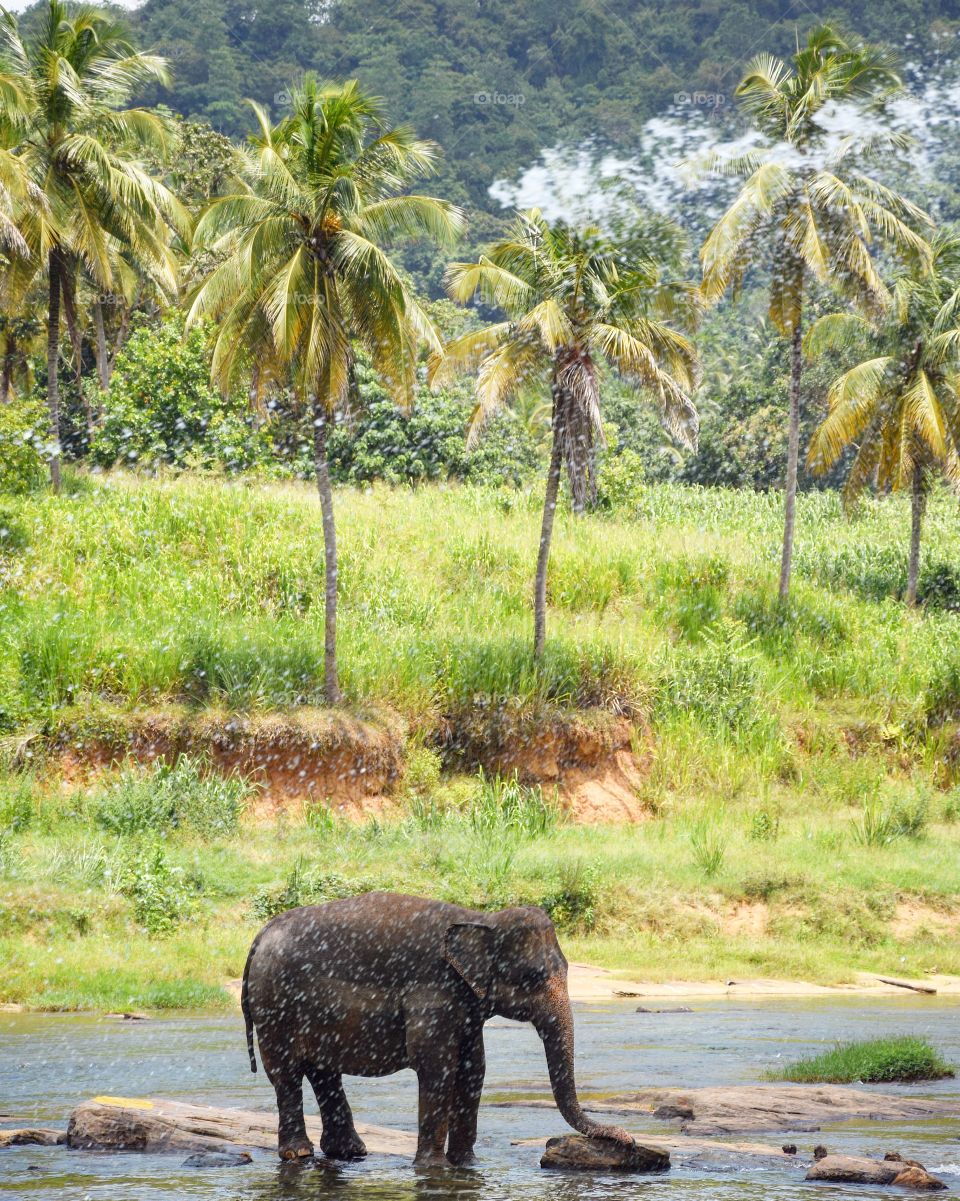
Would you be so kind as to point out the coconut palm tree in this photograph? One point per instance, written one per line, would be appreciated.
(62, 118)
(806, 206)
(899, 406)
(571, 305)
(303, 274)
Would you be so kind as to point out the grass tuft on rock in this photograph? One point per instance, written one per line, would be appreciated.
(875, 1061)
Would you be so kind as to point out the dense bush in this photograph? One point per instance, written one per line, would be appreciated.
(429, 443)
(166, 797)
(162, 409)
(23, 448)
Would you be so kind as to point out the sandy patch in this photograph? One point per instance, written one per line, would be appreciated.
(747, 919)
(913, 917)
(587, 983)
(593, 797)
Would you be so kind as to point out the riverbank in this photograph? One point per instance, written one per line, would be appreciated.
(697, 784)
(97, 912)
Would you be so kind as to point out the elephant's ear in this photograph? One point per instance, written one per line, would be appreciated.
(468, 948)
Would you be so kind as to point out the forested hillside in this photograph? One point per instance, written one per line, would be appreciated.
(495, 81)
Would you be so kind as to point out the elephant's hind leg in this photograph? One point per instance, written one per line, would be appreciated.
(287, 1080)
(339, 1139)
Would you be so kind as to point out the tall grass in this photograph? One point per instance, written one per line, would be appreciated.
(211, 593)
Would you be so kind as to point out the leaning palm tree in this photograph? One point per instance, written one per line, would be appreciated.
(302, 274)
(899, 406)
(61, 118)
(571, 305)
(806, 205)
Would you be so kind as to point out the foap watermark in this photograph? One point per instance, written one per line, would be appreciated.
(283, 98)
(509, 99)
(713, 100)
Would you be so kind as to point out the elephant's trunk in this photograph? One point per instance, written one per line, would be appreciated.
(553, 1021)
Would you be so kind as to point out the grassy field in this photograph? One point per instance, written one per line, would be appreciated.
(798, 764)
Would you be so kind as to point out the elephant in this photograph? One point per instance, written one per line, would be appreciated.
(372, 984)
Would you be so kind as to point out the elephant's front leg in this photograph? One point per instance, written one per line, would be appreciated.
(468, 1085)
(432, 1051)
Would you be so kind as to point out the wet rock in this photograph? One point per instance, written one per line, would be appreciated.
(577, 1153)
(919, 1179)
(676, 1009)
(665, 1112)
(896, 1157)
(757, 1108)
(32, 1138)
(217, 1159)
(820, 1151)
(851, 1169)
(789, 1148)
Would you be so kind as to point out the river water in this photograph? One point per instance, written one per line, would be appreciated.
(50, 1062)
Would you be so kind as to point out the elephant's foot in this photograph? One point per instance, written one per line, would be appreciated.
(462, 1158)
(431, 1161)
(296, 1149)
(347, 1146)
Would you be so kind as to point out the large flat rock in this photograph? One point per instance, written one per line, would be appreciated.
(135, 1124)
(757, 1108)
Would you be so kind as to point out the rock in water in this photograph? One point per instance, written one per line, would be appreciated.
(851, 1169)
(32, 1138)
(920, 1179)
(217, 1159)
(577, 1153)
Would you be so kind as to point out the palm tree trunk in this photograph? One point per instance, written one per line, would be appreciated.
(9, 357)
(918, 503)
(104, 367)
(793, 455)
(546, 528)
(53, 359)
(322, 467)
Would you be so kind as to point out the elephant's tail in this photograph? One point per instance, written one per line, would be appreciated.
(245, 1007)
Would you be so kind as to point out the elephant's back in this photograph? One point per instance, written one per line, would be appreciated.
(375, 940)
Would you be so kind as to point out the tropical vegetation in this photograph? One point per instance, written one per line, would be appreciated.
(746, 657)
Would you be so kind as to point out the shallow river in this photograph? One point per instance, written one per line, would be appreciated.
(50, 1062)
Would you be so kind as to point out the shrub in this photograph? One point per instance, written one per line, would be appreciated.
(429, 443)
(185, 794)
(877, 1061)
(939, 586)
(421, 775)
(620, 481)
(158, 892)
(23, 448)
(764, 825)
(575, 897)
(306, 885)
(162, 409)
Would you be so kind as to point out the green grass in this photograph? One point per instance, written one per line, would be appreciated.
(877, 1061)
(800, 764)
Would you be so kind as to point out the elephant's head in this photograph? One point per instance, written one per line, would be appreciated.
(514, 965)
